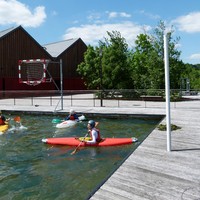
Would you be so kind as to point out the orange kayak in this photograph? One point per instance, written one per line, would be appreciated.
(73, 141)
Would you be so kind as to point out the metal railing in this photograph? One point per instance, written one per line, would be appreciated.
(98, 98)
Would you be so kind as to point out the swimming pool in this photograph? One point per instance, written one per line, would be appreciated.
(33, 170)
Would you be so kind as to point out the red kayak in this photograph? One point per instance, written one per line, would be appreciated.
(73, 141)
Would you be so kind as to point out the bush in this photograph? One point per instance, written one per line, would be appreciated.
(162, 127)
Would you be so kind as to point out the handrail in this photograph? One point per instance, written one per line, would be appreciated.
(91, 98)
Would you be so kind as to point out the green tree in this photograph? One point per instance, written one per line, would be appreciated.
(115, 62)
(140, 62)
(192, 72)
(89, 68)
(148, 60)
(176, 66)
(112, 67)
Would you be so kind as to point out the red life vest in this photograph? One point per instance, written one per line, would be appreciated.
(2, 121)
(98, 137)
(72, 117)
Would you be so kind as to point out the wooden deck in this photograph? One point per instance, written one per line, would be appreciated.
(153, 173)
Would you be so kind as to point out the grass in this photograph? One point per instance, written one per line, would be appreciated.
(163, 127)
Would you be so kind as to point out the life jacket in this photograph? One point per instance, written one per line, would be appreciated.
(2, 121)
(72, 117)
(98, 137)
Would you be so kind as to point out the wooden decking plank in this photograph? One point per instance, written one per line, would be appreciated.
(149, 179)
(141, 189)
(121, 193)
(184, 160)
(163, 166)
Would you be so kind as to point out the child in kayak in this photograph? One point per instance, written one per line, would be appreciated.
(72, 116)
(3, 120)
(93, 132)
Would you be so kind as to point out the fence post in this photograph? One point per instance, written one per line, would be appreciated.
(51, 101)
(94, 100)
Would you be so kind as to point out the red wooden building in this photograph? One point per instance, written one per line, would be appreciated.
(16, 44)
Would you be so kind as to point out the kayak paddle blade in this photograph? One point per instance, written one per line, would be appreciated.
(56, 121)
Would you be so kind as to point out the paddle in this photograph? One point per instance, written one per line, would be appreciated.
(75, 150)
(56, 121)
(17, 119)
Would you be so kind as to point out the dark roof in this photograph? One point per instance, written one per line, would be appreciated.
(4, 32)
(56, 48)
(53, 49)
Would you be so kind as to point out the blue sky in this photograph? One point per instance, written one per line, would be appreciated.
(50, 21)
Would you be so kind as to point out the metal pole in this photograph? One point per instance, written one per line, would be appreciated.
(101, 75)
(167, 91)
(61, 84)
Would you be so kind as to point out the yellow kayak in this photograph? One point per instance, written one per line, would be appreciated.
(3, 128)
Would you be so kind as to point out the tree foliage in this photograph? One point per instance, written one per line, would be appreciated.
(110, 59)
(90, 68)
(112, 65)
(115, 63)
(192, 72)
(148, 60)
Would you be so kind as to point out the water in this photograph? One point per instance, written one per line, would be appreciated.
(32, 170)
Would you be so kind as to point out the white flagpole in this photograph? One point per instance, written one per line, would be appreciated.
(61, 84)
(167, 91)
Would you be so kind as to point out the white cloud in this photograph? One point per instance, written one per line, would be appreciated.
(118, 14)
(112, 14)
(123, 14)
(178, 45)
(94, 16)
(91, 34)
(189, 23)
(195, 56)
(14, 12)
